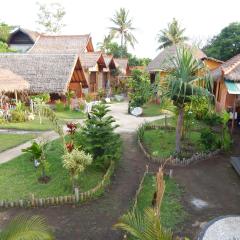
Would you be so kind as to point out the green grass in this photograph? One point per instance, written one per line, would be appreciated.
(29, 125)
(19, 178)
(70, 115)
(172, 212)
(8, 141)
(151, 109)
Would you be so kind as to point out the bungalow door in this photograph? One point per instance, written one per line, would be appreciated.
(93, 82)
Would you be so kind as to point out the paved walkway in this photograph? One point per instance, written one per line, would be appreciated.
(128, 123)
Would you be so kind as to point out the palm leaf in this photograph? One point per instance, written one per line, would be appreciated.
(25, 228)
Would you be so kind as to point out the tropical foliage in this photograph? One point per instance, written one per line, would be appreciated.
(188, 78)
(226, 44)
(139, 88)
(75, 162)
(173, 34)
(97, 137)
(123, 28)
(27, 228)
(144, 227)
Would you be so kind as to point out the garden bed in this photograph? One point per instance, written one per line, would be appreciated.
(19, 178)
(158, 143)
(8, 141)
(172, 212)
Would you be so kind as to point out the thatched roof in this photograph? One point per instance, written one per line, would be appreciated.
(122, 63)
(91, 59)
(230, 70)
(110, 61)
(33, 35)
(45, 72)
(161, 62)
(70, 44)
(11, 82)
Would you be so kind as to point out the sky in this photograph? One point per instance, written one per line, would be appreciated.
(202, 19)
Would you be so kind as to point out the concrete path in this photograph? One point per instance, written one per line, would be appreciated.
(16, 151)
(128, 124)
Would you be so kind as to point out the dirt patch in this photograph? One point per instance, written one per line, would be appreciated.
(94, 220)
(214, 182)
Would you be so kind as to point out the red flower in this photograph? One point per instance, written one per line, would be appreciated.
(70, 146)
(72, 127)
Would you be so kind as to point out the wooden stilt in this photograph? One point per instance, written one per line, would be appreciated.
(15, 92)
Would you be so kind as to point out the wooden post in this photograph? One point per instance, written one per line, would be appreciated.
(15, 92)
(234, 112)
(77, 194)
(160, 189)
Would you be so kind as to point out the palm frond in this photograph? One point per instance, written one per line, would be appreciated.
(25, 228)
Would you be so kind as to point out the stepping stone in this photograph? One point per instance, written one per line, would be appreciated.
(235, 161)
(221, 228)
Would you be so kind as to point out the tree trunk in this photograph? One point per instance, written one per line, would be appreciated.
(179, 129)
(121, 45)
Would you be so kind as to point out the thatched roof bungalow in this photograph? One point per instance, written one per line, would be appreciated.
(52, 73)
(227, 85)
(22, 39)
(122, 65)
(59, 44)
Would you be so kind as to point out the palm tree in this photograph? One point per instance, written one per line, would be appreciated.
(103, 46)
(25, 228)
(123, 28)
(144, 227)
(188, 78)
(173, 34)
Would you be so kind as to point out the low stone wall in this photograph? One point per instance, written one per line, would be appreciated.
(171, 160)
(75, 198)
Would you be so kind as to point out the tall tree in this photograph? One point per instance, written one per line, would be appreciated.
(183, 82)
(104, 45)
(123, 28)
(25, 228)
(50, 17)
(226, 44)
(173, 34)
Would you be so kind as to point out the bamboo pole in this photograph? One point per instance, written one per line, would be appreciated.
(234, 112)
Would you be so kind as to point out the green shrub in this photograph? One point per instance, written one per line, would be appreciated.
(98, 138)
(209, 139)
(140, 88)
(18, 116)
(2, 120)
(59, 106)
(212, 118)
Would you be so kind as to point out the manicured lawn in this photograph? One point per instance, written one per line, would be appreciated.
(172, 212)
(29, 125)
(70, 115)
(161, 143)
(19, 178)
(11, 140)
(151, 109)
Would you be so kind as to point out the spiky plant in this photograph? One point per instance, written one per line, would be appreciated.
(25, 228)
(187, 77)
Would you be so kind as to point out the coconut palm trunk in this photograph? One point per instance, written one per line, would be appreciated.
(179, 129)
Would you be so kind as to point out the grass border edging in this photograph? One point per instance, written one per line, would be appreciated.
(171, 161)
(75, 198)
